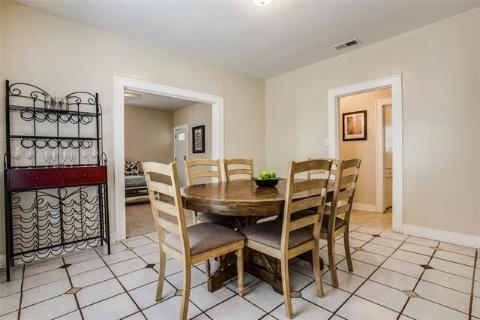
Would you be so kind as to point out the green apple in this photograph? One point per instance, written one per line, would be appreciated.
(265, 175)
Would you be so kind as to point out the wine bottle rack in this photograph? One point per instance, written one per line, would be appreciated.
(55, 174)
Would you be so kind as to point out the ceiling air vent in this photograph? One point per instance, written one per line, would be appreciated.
(351, 43)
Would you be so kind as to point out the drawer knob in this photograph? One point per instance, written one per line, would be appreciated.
(84, 175)
(36, 178)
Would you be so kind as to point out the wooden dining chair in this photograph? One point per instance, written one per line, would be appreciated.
(288, 238)
(238, 167)
(192, 244)
(336, 220)
(204, 171)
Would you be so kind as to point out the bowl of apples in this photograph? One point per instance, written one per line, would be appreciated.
(267, 179)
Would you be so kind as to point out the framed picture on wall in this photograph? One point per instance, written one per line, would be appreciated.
(198, 139)
(355, 125)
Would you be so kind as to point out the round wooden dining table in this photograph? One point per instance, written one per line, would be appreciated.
(235, 198)
(246, 202)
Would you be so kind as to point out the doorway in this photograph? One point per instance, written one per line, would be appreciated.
(156, 130)
(180, 148)
(123, 85)
(334, 136)
(384, 151)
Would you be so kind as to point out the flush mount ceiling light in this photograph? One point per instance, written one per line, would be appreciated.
(132, 94)
(262, 3)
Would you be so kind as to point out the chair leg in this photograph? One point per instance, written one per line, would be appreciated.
(348, 255)
(207, 267)
(316, 270)
(286, 287)
(195, 217)
(161, 274)
(240, 272)
(331, 260)
(186, 292)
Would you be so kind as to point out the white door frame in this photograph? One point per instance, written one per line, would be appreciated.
(184, 126)
(395, 82)
(379, 141)
(120, 84)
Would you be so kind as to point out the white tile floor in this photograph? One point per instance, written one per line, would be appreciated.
(394, 277)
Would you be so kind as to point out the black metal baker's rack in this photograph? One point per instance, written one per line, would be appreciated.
(56, 193)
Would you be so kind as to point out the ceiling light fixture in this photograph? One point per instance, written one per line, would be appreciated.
(132, 94)
(262, 3)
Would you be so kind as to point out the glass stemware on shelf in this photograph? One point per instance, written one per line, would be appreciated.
(17, 155)
(52, 155)
(85, 153)
(30, 155)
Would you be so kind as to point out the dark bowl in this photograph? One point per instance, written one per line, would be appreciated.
(267, 183)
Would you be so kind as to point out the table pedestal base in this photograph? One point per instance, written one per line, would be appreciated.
(261, 266)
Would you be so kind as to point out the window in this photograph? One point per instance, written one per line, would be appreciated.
(181, 136)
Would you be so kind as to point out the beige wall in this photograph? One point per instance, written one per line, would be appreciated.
(79, 57)
(148, 134)
(441, 116)
(362, 149)
(196, 115)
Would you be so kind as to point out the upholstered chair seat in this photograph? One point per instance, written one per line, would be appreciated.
(270, 234)
(204, 237)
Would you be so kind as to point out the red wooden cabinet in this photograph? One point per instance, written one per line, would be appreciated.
(44, 178)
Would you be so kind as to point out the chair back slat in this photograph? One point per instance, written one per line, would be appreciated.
(166, 203)
(308, 203)
(167, 225)
(321, 173)
(202, 168)
(303, 222)
(165, 207)
(238, 167)
(310, 185)
(344, 191)
(307, 197)
(162, 188)
(313, 165)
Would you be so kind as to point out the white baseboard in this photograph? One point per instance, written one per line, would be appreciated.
(113, 237)
(364, 207)
(441, 235)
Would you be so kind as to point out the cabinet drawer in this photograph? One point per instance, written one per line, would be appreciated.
(84, 176)
(30, 179)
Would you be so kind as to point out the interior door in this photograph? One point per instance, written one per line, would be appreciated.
(388, 154)
(181, 145)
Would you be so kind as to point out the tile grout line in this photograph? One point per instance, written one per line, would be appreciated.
(71, 286)
(328, 271)
(269, 313)
(171, 284)
(470, 309)
(418, 281)
(368, 278)
(215, 305)
(121, 284)
(21, 293)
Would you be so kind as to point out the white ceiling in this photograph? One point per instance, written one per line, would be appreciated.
(156, 101)
(261, 41)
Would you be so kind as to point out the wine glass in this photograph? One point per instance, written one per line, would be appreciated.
(16, 154)
(54, 157)
(64, 156)
(47, 104)
(46, 157)
(30, 155)
(85, 154)
(63, 105)
(71, 157)
(94, 155)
